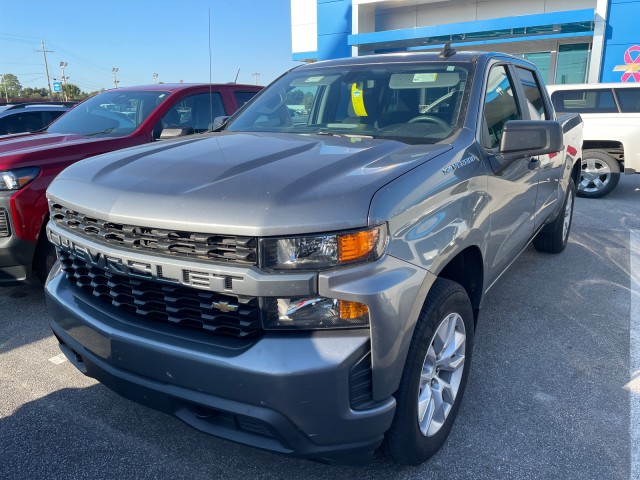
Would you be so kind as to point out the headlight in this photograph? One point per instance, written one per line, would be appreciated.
(18, 178)
(313, 314)
(323, 251)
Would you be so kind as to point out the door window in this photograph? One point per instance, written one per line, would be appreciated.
(195, 111)
(629, 99)
(533, 94)
(500, 106)
(584, 101)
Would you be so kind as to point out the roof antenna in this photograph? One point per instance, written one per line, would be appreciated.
(447, 51)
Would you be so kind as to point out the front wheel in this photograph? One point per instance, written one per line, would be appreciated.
(434, 376)
(600, 174)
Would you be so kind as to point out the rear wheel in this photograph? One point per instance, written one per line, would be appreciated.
(553, 238)
(434, 376)
(600, 174)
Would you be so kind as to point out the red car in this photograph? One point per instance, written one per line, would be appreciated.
(111, 120)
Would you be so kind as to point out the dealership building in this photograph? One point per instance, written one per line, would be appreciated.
(570, 41)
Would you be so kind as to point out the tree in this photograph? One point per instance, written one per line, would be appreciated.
(295, 97)
(308, 100)
(73, 92)
(29, 92)
(11, 84)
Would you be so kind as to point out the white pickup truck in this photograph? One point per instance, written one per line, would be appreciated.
(611, 116)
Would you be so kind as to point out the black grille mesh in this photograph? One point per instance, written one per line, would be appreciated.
(203, 246)
(4, 223)
(173, 304)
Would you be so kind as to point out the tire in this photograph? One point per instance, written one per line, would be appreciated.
(553, 238)
(600, 174)
(44, 257)
(447, 309)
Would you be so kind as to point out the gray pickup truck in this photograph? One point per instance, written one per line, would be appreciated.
(307, 279)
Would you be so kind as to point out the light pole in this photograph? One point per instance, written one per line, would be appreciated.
(114, 70)
(63, 65)
(256, 75)
(155, 78)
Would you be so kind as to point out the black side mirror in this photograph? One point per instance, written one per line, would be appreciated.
(531, 137)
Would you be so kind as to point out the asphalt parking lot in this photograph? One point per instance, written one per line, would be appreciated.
(552, 393)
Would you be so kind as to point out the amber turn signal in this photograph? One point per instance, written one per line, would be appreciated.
(352, 310)
(358, 245)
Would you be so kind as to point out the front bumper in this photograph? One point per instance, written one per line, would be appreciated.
(16, 254)
(285, 392)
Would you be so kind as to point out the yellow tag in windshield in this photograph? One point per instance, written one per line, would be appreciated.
(357, 101)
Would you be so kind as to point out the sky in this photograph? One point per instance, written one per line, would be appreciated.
(141, 37)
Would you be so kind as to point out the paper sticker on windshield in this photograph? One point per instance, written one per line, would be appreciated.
(424, 77)
(357, 101)
(313, 79)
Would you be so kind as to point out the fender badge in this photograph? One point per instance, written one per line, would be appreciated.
(460, 164)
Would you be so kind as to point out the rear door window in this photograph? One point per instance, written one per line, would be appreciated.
(629, 99)
(533, 94)
(584, 101)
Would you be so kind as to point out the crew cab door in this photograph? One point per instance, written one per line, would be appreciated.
(513, 187)
(536, 106)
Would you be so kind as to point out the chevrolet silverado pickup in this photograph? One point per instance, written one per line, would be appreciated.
(109, 121)
(310, 284)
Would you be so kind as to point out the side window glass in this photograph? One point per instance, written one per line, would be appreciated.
(584, 101)
(535, 99)
(194, 112)
(629, 99)
(500, 106)
(243, 97)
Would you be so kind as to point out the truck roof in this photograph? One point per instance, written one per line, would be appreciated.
(406, 57)
(174, 87)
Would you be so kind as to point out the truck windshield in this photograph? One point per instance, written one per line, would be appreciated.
(109, 114)
(413, 103)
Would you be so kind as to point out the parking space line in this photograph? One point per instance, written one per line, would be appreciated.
(58, 359)
(634, 354)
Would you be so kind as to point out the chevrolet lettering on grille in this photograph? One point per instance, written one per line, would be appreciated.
(162, 272)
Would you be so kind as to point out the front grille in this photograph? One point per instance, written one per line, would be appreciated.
(172, 304)
(173, 243)
(4, 223)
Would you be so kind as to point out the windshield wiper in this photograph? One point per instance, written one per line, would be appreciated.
(348, 135)
(106, 130)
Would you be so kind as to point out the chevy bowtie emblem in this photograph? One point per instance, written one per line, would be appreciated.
(224, 307)
(631, 67)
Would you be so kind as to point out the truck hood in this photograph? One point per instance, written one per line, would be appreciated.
(254, 184)
(36, 141)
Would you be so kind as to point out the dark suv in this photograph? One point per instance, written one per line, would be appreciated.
(30, 117)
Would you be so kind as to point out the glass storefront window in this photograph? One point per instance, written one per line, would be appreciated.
(542, 60)
(573, 61)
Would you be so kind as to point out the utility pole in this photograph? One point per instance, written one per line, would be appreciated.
(256, 75)
(6, 95)
(46, 68)
(155, 78)
(63, 65)
(114, 70)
